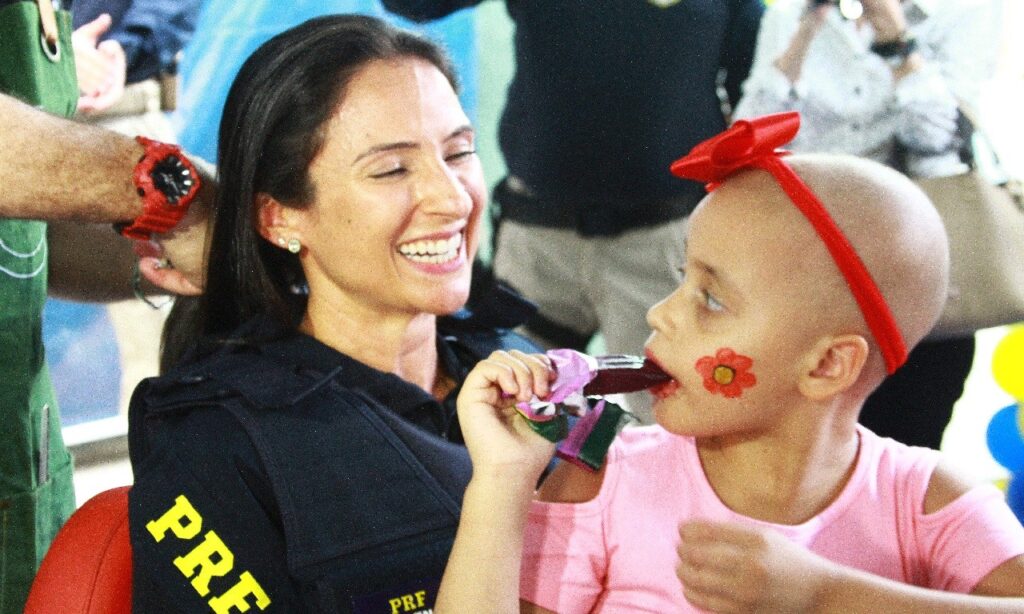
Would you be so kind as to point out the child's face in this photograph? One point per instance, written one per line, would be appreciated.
(735, 334)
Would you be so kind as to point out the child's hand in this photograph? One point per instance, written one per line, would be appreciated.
(727, 567)
(498, 439)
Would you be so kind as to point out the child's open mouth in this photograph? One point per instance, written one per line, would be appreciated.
(665, 390)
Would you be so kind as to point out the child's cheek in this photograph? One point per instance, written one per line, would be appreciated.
(727, 372)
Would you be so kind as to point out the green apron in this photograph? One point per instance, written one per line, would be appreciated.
(36, 490)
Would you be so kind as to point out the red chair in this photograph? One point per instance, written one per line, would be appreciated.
(88, 569)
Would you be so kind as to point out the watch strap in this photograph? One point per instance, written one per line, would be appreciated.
(900, 48)
(167, 182)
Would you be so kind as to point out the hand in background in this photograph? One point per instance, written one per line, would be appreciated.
(791, 62)
(727, 567)
(886, 17)
(100, 66)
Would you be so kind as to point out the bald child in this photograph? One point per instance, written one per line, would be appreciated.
(808, 278)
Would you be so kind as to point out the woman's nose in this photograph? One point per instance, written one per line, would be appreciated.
(443, 192)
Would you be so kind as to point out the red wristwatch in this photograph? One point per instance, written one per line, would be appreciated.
(167, 181)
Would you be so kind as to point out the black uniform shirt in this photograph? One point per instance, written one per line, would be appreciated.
(289, 477)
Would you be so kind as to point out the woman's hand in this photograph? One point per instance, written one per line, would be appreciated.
(499, 440)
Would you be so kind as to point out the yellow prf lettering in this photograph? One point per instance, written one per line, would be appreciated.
(408, 603)
(235, 596)
(172, 519)
(202, 556)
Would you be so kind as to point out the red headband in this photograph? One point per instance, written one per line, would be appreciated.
(754, 144)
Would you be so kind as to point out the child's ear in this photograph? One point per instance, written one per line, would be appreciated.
(833, 366)
(276, 222)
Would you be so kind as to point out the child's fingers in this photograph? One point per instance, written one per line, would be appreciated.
(539, 375)
(498, 372)
(517, 374)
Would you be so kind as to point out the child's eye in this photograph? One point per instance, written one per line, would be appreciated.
(710, 302)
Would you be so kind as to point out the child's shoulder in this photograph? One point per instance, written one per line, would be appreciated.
(937, 480)
(646, 447)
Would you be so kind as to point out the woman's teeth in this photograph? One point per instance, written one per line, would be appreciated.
(432, 252)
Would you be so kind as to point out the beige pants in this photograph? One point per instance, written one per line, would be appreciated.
(595, 284)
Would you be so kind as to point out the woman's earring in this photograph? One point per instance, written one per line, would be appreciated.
(281, 241)
(294, 245)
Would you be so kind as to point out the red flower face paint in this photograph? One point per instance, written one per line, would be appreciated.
(726, 372)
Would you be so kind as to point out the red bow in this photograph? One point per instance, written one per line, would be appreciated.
(739, 147)
(755, 143)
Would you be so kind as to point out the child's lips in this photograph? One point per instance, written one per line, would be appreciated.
(665, 390)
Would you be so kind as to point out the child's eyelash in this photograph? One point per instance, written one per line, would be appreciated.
(712, 303)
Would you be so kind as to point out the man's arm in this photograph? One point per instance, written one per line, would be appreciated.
(88, 262)
(58, 170)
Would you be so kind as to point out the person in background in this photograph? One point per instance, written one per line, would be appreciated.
(58, 170)
(603, 96)
(887, 85)
(126, 56)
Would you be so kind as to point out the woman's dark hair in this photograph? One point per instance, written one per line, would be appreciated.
(271, 129)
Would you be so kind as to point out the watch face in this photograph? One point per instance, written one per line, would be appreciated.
(172, 178)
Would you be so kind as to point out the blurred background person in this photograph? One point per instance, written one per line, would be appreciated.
(126, 57)
(886, 80)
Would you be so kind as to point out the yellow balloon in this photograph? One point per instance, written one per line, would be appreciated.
(1008, 363)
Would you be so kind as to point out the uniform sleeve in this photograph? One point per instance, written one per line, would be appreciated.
(966, 540)
(204, 534)
(426, 10)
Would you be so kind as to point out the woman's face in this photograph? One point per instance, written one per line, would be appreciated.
(399, 189)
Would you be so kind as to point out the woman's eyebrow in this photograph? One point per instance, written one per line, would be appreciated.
(461, 131)
(458, 132)
(376, 149)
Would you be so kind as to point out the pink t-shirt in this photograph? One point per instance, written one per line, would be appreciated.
(617, 553)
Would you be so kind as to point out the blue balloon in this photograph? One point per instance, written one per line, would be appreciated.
(1005, 441)
(1015, 496)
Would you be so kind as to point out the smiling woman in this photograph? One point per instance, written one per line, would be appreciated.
(305, 452)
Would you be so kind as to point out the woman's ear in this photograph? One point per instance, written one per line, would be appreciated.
(833, 366)
(274, 220)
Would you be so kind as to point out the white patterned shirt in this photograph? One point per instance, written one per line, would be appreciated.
(847, 97)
